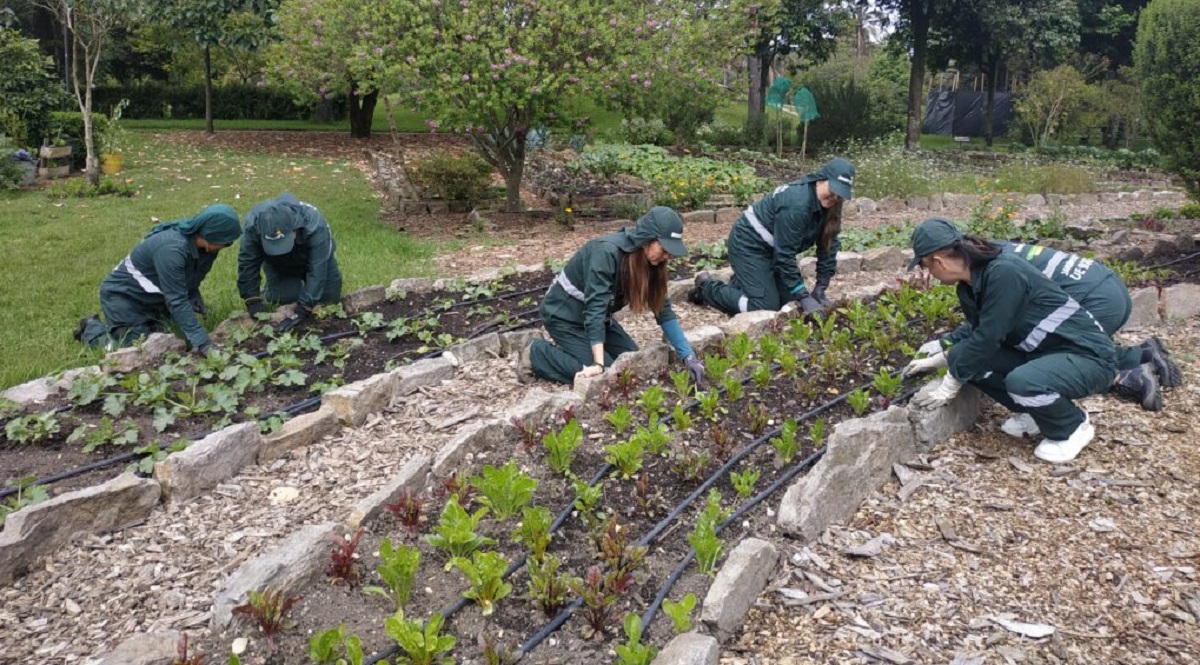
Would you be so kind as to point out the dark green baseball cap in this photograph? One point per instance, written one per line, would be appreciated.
(931, 235)
(841, 177)
(665, 225)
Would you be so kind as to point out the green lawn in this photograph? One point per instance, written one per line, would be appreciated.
(57, 251)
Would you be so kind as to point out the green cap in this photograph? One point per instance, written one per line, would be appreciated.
(931, 235)
(665, 225)
(841, 177)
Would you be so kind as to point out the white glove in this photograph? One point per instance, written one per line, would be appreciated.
(939, 395)
(590, 371)
(921, 365)
(931, 347)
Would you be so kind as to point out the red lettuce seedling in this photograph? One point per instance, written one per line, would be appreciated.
(407, 511)
(269, 610)
(342, 559)
(460, 486)
(598, 602)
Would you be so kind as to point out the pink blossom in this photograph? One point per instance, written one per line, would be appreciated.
(432, 124)
(466, 77)
(646, 83)
(495, 77)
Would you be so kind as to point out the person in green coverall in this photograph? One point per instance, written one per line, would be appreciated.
(1144, 368)
(159, 281)
(1030, 346)
(765, 239)
(289, 241)
(628, 267)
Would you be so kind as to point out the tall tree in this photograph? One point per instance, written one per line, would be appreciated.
(914, 18)
(1108, 29)
(234, 24)
(89, 25)
(807, 27)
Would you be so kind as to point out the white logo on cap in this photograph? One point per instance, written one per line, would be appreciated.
(676, 235)
(848, 181)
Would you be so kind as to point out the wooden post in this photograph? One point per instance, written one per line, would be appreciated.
(804, 144)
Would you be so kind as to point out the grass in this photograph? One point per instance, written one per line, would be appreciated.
(57, 251)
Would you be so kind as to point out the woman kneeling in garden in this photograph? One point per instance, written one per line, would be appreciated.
(628, 267)
(159, 282)
(1031, 347)
(764, 241)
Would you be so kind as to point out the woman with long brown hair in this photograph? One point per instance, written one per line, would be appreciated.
(628, 267)
(765, 240)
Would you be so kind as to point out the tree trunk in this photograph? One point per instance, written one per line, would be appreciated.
(919, 21)
(208, 106)
(362, 113)
(756, 99)
(989, 116)
(512, 185)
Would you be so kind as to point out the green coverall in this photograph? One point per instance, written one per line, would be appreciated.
(762, 246)
(308, 274)
(1029, 345)
(577, 310)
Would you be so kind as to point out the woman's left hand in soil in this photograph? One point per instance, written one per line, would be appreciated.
(294, 320)
(819, 294)
(590, 371)
(695, 368)
(939, 395)
(921, 365)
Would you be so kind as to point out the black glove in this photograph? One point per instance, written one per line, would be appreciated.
(293, 320)
(206, 348)
(806, 302)
(695, 368)
(254, 307)
(199, 307)
(819, 294)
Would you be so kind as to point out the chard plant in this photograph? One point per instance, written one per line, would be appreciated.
(599, 599)
(739, 348)
(646, 498)
(826, 327)
(530, 434)
(710, 404)
(680, 612)
(769, 348)
(421, 644)
(496, 652)
(762, 375)
(651, 401)
(716, 367)
(328, 646)
(457, 485)
(785, 444)
(787, 363)
(406, 509)
(721, 442)
(733, 388)
(534, 530)
(343, 558)
(860, 401)
(183, 657)
(682, 381)
(689, 464)
(506, 490)
(561, 446)
(625, 382)
(798, 334)
(621, 557)
(703, 537)
(455, 531)
(817, 432)
(397, 568)
(587, 501)
(887, 384)
(654, 439)
(268, 610)
(485, 572)
(548, 587)
(744, 482)
(633, 652)
(621, 418)
(681, 419)
(758, 419)
(626, 456)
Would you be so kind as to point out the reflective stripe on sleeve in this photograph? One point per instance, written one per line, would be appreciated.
(1035, 401)
(142, 280)
(567, 286)
(1055, 259)
(758, 227)
(1048, 325)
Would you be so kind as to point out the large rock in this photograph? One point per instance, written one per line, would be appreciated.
(411, 477)
(891, 204)
(285, 567)
(858, 459)
(727, 216)
(1145, 307)
(512, 342)
(208, 462)
(483, 435)
(646, 362)
(936, 425)
(148, 352)
(866, 206)
(42, 528)
(428, 372)
(678, 289)
(690, 649)
(303, 430)
(400, 288)
(356, 301)
(918, 203)
(484, 346)
(1181, 301)
(159, 648)
(353, 403)
(1087, 199)
(738, 583)
(755, 324)
(1035, 200)
(538, 406)
(883, 258)
(30, 392)
(705, 339)
(698, 217)
(848, 262)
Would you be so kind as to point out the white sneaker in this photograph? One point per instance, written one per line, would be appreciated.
(1065, 451)
(1020, 425)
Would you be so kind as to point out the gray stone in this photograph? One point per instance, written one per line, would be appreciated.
(723, 274)
(538, 406)
(63, 382)
(411, 477)
(128, 359)
(690, 649)
(698, 217)
(737, 585)
(918, 203)
(303, 430)
(755, 324)
(591, 388)
(1181, 301)
(705, 339)
(866, 206)
(868, 292)
(428, 372)
(891, 204)
(157, 345)
(237, 322)
(1108, 197)
(936, 425)
(1185, 242)
(858, 458)
(727, 216)
(937, 202)
(209, 461)
(485, 346)
(1035, 200)
(1087, 199)
(1131, 253)
(883, 258)
(410, 285)
(481, 435)
(353, 403)
(1119, 236)
(1167, 196)
(1145, 307)
(43, 528)
(1054, 199)
(158, 648)
(512, 342)
(646, 362)
(678, 289)
(807, 265)
(848, 262)
(285, 567)
(356, 301)
(30, 392)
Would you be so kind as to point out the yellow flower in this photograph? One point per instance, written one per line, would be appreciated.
(567, 210)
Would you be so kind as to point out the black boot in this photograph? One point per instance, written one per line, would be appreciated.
(696, 295)
(1140, 385)
(1155, 353)
(83, 324)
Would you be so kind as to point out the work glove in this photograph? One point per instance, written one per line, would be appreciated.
(206, 348)
(931, 347)
(590, 371)
(254, 306)
(292, 321)
(940, 395)
(199, 307)
(695, 369)
(819, 294)
(922, 365)
(806, 301)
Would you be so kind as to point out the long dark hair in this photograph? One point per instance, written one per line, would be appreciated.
(975, 251)
(645, 285)
(831, 225)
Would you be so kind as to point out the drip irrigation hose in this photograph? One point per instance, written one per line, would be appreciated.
(1174, 261)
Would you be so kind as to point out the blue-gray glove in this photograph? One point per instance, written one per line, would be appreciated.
(806, 301)
(695, 369)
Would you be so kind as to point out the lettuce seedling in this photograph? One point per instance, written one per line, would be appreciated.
(860, 401)
(485, 572)
(785, 444)
(682, 380)
(703, 537)
(455, 531)
(633, 652)
(626, 456)
(548, 588)
(740, 346)
(651, 401)
(505, 490)
(680, 612)
(421, 644)
(743, 483)
(397, 569)
(561, 446)
(534, 530)
(621, 418)
(681, 419)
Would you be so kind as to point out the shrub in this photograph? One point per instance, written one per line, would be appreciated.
(29, 91)
(847, 112)
(639, 131)
(1019, 176)
(11, 173)
(720, 133)
(1167, 56)
(66, 127)
(454, 178)
(153, 100)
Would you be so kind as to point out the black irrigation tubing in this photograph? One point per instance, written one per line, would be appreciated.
(1174, 261)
